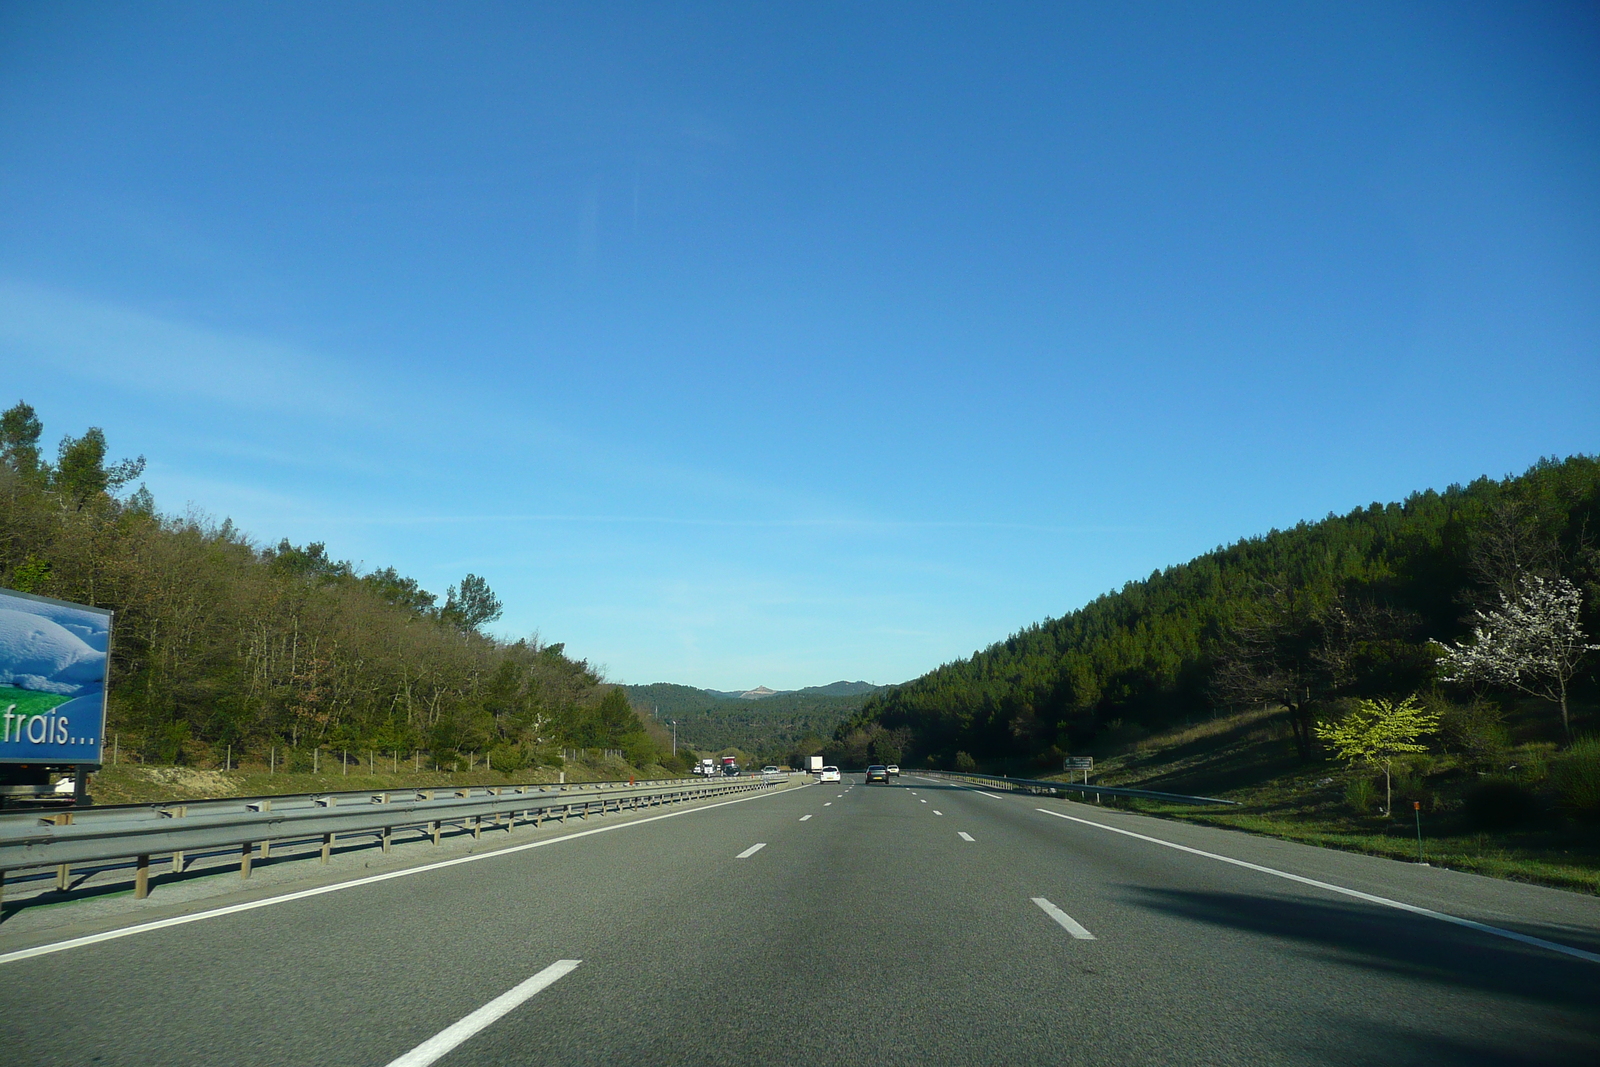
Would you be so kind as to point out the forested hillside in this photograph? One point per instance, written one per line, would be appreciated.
(775, 728)
(1301, 618)
(219, 641)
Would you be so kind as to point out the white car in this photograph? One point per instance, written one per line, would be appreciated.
(770, 769)
(829, 774)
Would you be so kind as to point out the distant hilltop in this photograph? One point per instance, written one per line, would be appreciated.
(832, 689)
(761, 722)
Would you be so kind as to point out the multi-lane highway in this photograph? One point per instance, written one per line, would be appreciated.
(917, 923)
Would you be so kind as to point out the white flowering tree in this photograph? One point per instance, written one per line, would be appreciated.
(1532, 643)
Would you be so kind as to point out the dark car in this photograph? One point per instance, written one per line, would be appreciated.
(877, 773)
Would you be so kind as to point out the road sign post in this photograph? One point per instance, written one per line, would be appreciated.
(1079, 763)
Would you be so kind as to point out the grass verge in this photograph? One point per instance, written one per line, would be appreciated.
(1249, 758)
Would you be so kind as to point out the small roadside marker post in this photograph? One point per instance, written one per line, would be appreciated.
(1416, 807)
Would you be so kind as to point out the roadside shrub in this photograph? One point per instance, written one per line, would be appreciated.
(965, 762)
(1576, 778)
(1361, 794)
(167, 744)
(507, 759)
(1476, 730)
(1499, 803)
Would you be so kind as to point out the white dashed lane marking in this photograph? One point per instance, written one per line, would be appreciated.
(751, 851)
(803, 818)
(1068, 923)
(964, 835)
(936, 811)
(436, 1046)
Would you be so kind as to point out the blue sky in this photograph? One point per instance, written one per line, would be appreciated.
(781, 343)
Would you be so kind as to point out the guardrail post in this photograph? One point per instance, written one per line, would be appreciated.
(327, 846)
(177, 854)
(63, 872)
(387, 831)
(266, 846)
(433, 828)
(244, 860)
(141, 878)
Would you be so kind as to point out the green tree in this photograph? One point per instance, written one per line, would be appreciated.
(81, 472)
(1379, 731)
(20, 430)
(472, 606)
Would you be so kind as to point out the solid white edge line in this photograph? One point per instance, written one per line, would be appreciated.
(1537, 942)
(457, 1032)
(964, 835)
(751, 851)
(1067, 922)
(179, 920)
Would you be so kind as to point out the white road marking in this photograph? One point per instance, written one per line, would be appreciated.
(841, 795)
(803, 818)
(922, 802)
(827, 803)
(507, 1002)
(1538, 942)
(751, 851)
(179, 920)
(937, 812)
(963, 835)
(996, 796)
(1068, 923)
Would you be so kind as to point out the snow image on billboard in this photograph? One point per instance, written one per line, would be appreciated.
(52, 679)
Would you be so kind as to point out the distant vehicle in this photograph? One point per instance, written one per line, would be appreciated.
(729, 767)
(894, 770)
(707, 767)
(814, 764)
(770, 769)
(877, 773)
(829, 774)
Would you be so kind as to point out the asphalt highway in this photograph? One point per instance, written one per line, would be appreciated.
(916, 923)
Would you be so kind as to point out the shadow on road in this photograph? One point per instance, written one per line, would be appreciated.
(1411, 947)
(1548, 1001)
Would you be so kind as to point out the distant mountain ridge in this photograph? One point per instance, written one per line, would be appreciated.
(759, 720)
(832, 689)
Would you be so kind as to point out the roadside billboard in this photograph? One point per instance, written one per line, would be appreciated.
(53, 665)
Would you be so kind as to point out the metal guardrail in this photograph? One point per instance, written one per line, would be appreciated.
(92, 835)
(1032, 785)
